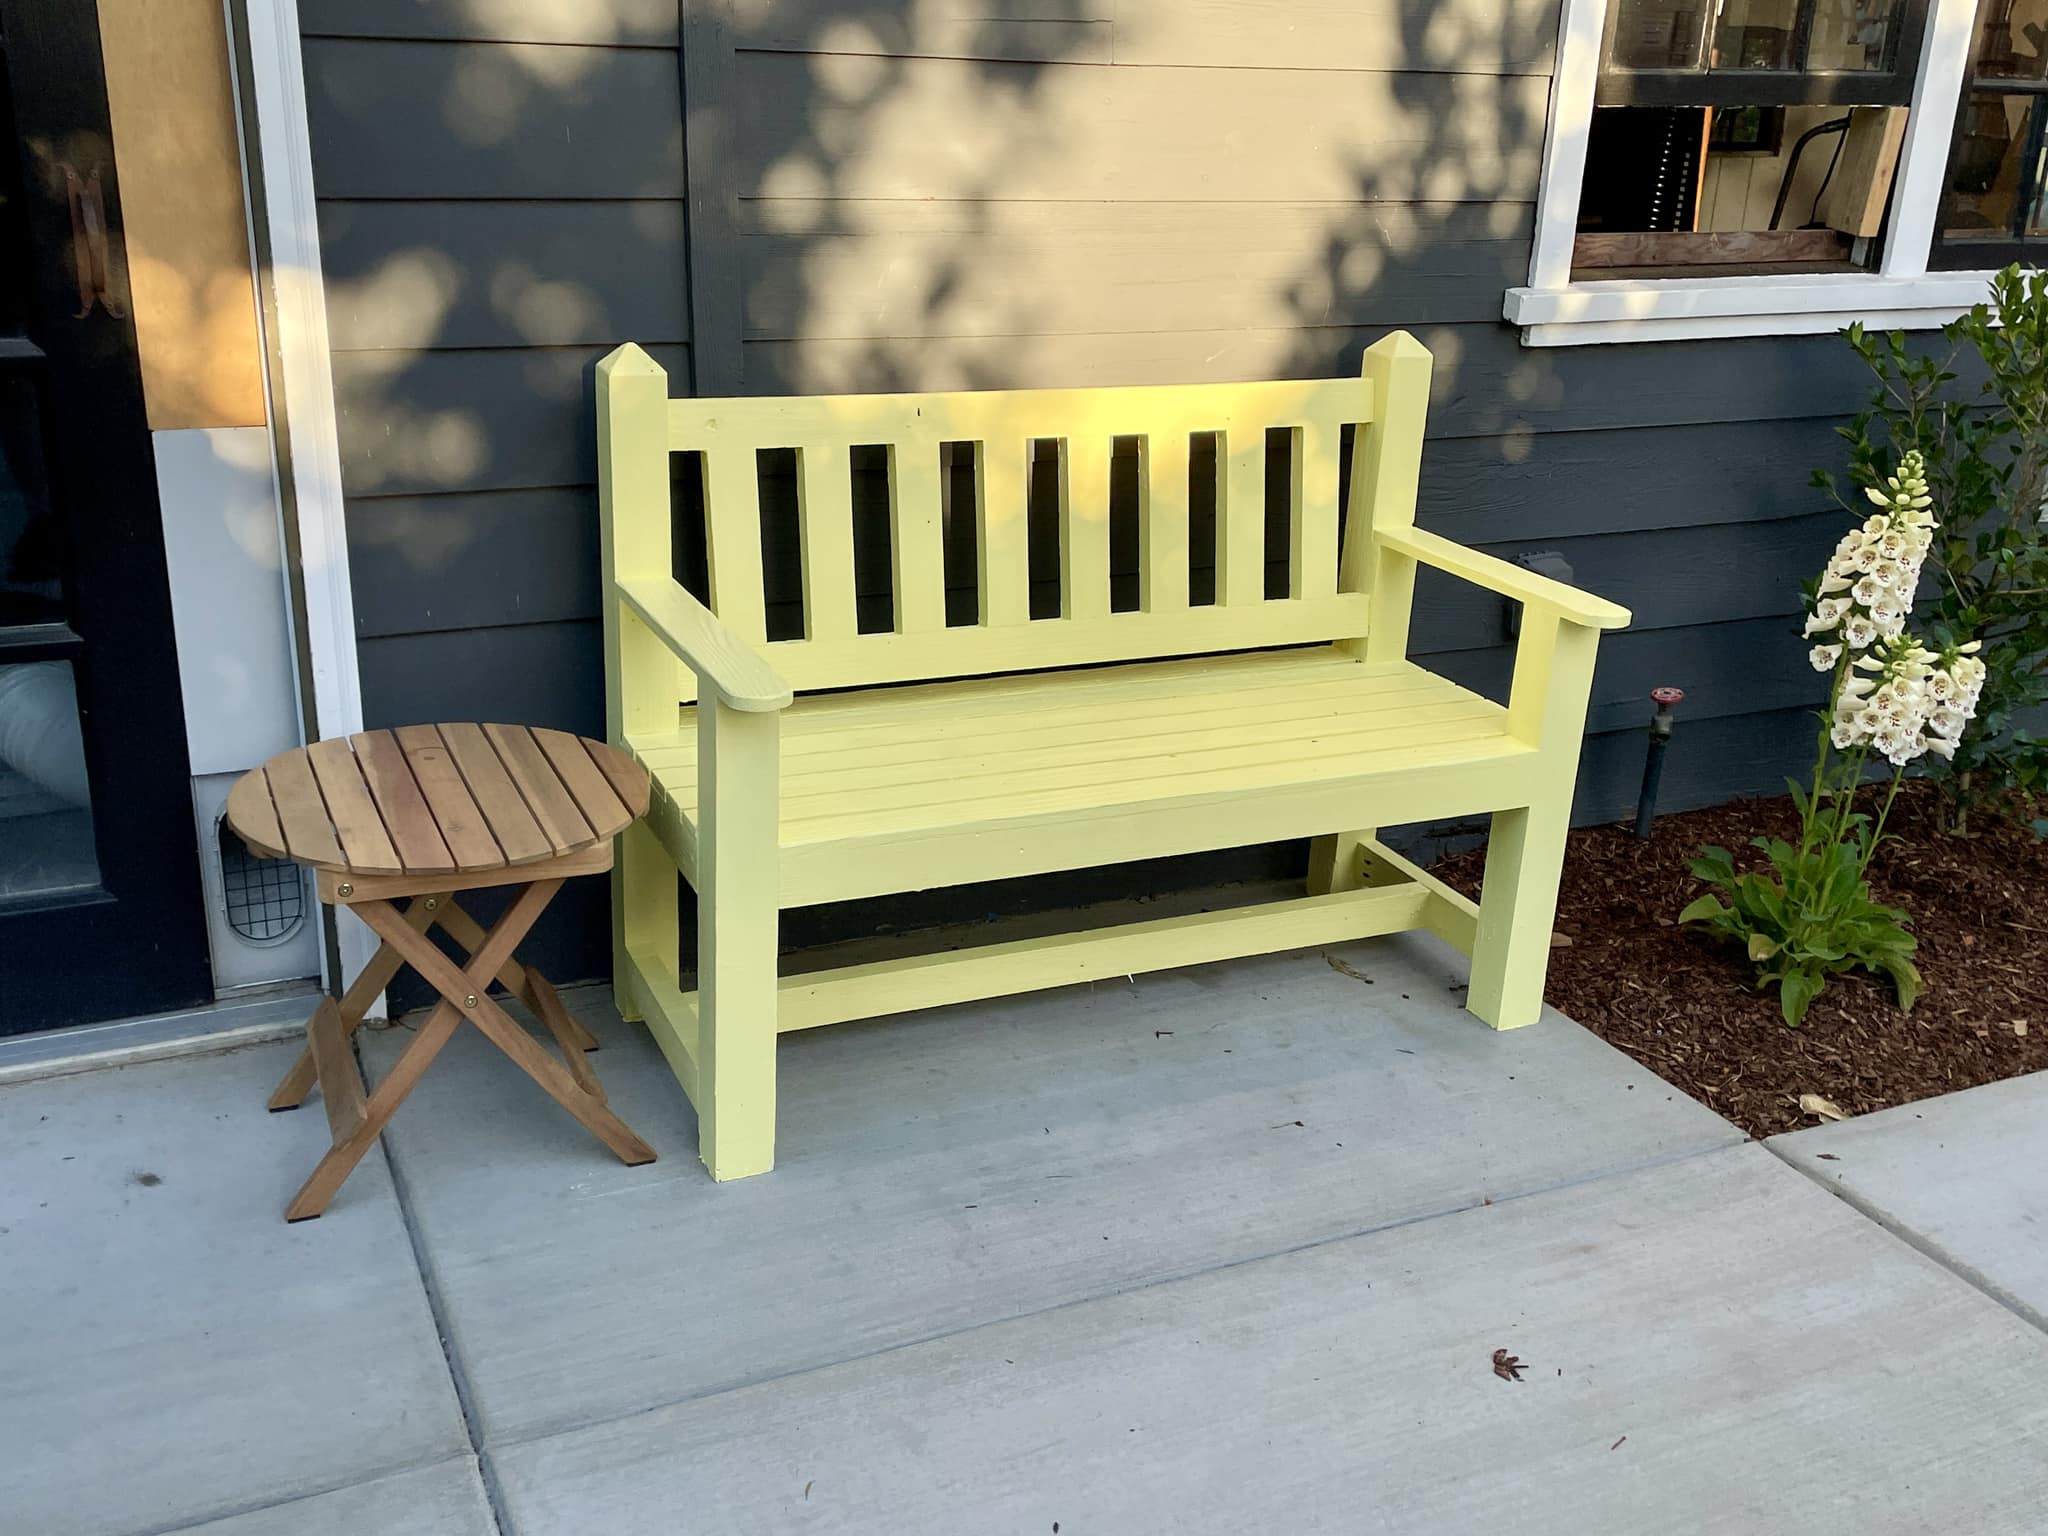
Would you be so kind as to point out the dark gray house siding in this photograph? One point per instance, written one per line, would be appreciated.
(1075, 191)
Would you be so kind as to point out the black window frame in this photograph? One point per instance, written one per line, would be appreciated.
(1945, 255)
(1699, 85)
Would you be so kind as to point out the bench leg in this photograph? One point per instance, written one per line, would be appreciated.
(737, 891)
(1525, 851)
(646, 912)
(1517, 908)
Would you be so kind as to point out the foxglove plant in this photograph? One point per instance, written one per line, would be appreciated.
(1812, 915)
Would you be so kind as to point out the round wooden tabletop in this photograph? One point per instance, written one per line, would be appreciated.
(437, 799)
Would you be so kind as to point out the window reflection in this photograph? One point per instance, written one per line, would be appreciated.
(46, 842)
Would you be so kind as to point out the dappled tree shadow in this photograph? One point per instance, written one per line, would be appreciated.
(895, 194)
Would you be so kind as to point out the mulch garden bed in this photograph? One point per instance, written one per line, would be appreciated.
(1681, 1004)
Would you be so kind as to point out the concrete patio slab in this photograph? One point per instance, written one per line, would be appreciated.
(173, 1349)
(443, 1500)
(953, 1169)
(1964, 1176)
(1709, 1347)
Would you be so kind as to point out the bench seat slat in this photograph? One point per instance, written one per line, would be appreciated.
(818, 752)
(1141, 769)
(937, 767)
(812, 750)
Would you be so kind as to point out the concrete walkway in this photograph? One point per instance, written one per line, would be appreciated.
(1228, 1249)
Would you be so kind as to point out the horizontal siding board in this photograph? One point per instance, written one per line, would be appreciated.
(1668, 577)
(1485, 382)
(948, 128)
(493, 120)
(503, 274)
(643, 22)
(473, 561)
(529, 674)
(1537, 485)
(1709, 762)
(995, 269)
(1021, 31)
(1477, 36)
(1732, 668)
(419, 423)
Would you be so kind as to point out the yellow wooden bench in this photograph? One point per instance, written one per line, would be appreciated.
(787, 773)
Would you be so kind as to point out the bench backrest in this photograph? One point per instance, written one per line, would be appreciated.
(1327, 596)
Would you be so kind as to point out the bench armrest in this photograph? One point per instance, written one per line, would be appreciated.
(1509, 580)
(724, 663)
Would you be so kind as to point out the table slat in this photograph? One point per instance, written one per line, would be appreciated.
(349, 806)
(420, 846)
(547, 797)
(301, 813)
(628, 779)
(253, 817)
(601, 807)
(461, 822)
(505, 810)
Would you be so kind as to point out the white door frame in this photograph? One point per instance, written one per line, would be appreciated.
(279, 151)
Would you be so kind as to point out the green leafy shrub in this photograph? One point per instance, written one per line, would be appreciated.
(1811, 915)
(1985, 453)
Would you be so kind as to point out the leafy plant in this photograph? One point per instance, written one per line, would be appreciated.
(1985, 454)
(1810, 918)
(1811, 914)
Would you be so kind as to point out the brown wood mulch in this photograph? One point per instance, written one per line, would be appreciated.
(1682, 1006)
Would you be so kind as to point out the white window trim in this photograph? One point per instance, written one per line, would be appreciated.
(1902, 294)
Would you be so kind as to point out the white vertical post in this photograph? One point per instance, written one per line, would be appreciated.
(1572, 89)
(278, 148)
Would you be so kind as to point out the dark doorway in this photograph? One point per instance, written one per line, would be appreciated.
(101, 912)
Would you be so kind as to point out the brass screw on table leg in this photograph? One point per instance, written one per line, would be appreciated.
(344, 889)
(469, 1001)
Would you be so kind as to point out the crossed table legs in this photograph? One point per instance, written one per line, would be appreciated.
(356, 1118)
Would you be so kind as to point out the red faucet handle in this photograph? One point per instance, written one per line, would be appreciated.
(1667, 695)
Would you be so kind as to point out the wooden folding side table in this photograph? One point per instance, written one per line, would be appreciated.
(426, 812)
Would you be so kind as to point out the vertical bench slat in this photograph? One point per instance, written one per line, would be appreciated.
(1001, 499)
(1241, 516)
(732, 512)
(1312, 499)
(1084, 526)
(825, 527)
(917, 560)
(1163, 521)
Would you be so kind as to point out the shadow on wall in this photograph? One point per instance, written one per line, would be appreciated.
(922, 194)
(910, 194)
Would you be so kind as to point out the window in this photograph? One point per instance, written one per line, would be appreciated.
(1748, 167)
(1994, 207)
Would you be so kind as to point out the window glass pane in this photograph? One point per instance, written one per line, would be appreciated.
(1757, 34)
(1853, 34)
(45, 807)
(1658, 34)
(2010, 34)
(1995, 173)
